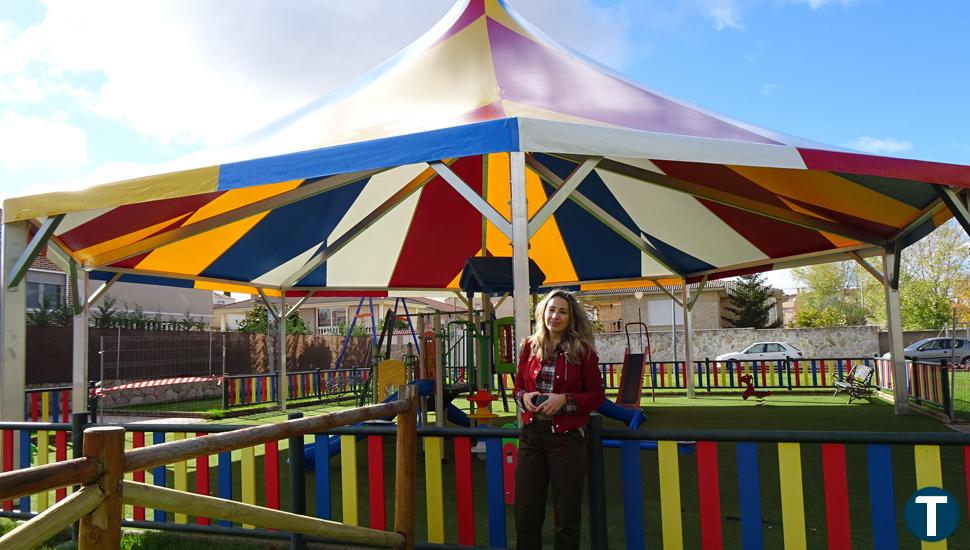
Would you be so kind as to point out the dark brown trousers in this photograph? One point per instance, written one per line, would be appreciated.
(546, 457)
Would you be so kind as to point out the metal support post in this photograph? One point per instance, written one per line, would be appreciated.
(283, 392)
(596, 483)
(439, 374)
(894, 322)
(520, 252)
(688, 352)
(14, 304)
(79, 386)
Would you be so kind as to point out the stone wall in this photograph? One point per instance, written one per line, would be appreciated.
(813, 342)
(160, 394)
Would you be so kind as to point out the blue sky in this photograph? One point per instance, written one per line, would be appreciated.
(92, 92)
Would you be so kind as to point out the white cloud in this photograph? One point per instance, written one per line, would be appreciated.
(34, 141)
(879, 145)
(817, 4)
(726, 17)
(196, 73)
(601, 32)
(769, 88)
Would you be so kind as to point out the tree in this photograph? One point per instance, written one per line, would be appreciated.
(256, 322)
(934, 272)
(751, 303)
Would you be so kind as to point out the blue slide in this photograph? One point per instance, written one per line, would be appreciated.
(633, 418)
(425, 389)
(629, 416)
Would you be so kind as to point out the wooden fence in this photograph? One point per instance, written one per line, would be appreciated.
(101, 470)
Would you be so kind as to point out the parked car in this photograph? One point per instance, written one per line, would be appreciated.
(763, 351)
(937, 349)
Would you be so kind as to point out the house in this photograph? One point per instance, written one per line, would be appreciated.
(614, 308)
(332, 315)
(46, 279)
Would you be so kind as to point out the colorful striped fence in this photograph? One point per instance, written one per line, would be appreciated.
(739, 489)
(793, 375)
(254, 389)
(48, 404)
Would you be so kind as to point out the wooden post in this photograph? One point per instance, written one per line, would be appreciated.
(404, 477)
(101, 529)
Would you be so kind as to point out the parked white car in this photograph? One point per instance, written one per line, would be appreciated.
(956, 350)
(763, 351)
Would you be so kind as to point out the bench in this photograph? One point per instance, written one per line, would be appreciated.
(858, 383)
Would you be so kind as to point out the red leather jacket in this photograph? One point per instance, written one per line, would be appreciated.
(583, 381)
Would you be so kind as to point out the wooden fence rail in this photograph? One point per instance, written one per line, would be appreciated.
(18, 483)
(98, 504)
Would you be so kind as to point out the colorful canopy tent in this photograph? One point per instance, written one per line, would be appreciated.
(387, 187)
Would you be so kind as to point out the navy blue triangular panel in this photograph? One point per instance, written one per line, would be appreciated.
(284, 233)
(317, 277)
(684, 262)
(143, 279)
(596, 251)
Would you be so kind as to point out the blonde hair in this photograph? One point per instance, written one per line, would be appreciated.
(577, 340)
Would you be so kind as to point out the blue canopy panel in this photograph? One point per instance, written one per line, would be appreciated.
(581, 229)
(283, 234)
(495, 136)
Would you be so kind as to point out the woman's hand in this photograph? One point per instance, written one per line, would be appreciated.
(527, 400)
(552, 405)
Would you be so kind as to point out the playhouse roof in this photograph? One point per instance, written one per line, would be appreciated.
(339, 196)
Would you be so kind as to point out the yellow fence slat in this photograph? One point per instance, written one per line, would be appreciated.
(792, 500)
(671, 520)
(929, 474)
(248, 471)
(348, 478)
(181, 478)
(435, 494)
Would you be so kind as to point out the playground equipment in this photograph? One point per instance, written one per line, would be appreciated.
(424, 388)
(634, 369)
(749, 390)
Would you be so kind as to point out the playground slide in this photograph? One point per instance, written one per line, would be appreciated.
(425, 389)
(629, 416)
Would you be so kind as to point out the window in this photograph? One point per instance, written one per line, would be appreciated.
(773, 347)
(757, 348)
(331, 316)
(45, 284)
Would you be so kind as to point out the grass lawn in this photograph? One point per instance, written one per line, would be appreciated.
(783, 412)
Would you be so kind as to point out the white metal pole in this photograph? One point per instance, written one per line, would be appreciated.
(894, 324)
(14, 304)
(520, 246)
(673, 327)
(79, 361)
(688, 353)
(281, 338)
(520, 249)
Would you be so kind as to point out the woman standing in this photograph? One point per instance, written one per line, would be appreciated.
(557, 385)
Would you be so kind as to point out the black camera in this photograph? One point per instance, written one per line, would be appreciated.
(539, 399)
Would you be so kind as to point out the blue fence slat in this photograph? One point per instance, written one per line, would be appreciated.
(225, 481)
(55, 407)
(321, 455)
(496, 493)
(881, 499)
(25, 463)
(749, 491)
(632, 494)
(158, 474)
